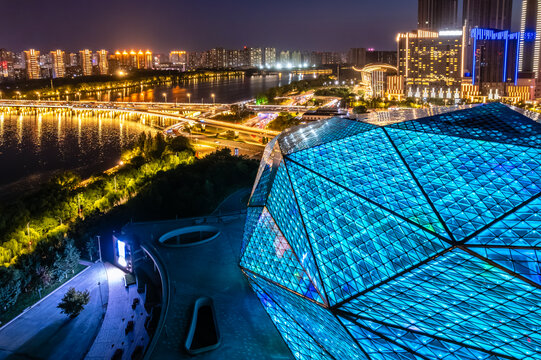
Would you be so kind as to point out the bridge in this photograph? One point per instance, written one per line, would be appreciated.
(144, 110)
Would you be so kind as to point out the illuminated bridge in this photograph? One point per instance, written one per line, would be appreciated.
(145, 111)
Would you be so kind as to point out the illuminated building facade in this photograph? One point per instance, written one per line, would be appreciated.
(177, 57)
(59, 66)
(270, 57)
(85, 61)
(495, 56)
(436, 15)
(430, 59)
(33, 69)
(103, 62)
(417, 240)
(530, 47)
(484, 14)
(6, 65)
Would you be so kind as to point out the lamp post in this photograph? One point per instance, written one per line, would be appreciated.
(79, 94)
(189, 98)
(164, 97)
(18, 95)
(213, 99)
(39, 95)
(101, 297)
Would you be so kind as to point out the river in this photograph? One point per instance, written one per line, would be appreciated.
(35, 147)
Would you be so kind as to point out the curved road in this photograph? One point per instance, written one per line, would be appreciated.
(44, 333)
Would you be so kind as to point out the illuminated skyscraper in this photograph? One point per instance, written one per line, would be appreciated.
(85, 59)
(103, 62)
(437, 15)
(6, 64)
(430, 59)
(530, 47)
(485, 14)
(33, 69)
(177, 57)
(59, 66)
(491, 14)
(270, 57)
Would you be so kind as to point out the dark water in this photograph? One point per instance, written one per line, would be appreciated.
(225, 90)
(34, 148)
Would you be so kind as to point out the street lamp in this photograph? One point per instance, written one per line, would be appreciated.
(39, 95)
(119, 96)
(189, 98)
(165, 97)
(79, 94)
(18, 95)
(67, 96)
(213, 99)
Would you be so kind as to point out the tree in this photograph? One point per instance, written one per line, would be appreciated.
(10, 287)
(74, 302)
(361, 109)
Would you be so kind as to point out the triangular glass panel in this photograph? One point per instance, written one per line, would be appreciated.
(269, 254)
(316, 320)
(377, 347)
(302, 345)
(426, 346)
(470, 182)
(490, 122)
(272, 157)
(284, 209)
(369, 165)
(524, 262)
(252, 218)
(320, 132)
(520, 228)
(356, 243)
(460, 298)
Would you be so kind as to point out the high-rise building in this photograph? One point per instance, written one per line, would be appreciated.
(256, 57)
(177, 57)
(495, 55)
(296, 58)
(103, 62)
(437, 15)
(233, 58)
(85, 62)
(484, 14)
(6, 65)
(284, 57)
(530, 47)
(73, 59)
(33, 70)
(59, 66)
(360, 57)
(429, 59)
(270, 57)
(489, 14)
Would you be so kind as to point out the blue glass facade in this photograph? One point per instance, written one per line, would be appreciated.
(418, 240)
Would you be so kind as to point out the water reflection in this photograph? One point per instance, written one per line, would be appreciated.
(36, 144)
(226, 90)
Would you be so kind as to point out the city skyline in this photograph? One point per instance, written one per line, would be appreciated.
(164, 28)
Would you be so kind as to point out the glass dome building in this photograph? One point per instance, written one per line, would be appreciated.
(417, 240)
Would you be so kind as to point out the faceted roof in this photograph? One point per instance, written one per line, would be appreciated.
(417, 240)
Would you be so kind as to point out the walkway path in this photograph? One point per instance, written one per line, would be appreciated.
(112, 335)
(42, 332)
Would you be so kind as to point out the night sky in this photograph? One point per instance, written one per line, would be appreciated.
(162, 25)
